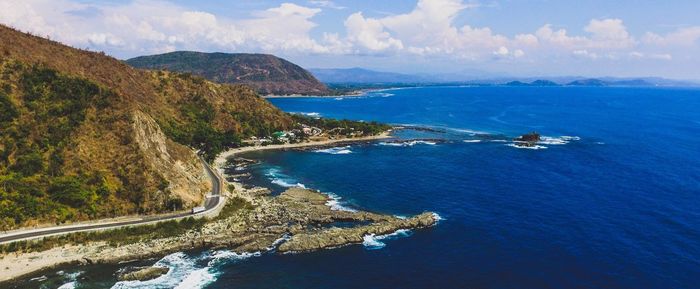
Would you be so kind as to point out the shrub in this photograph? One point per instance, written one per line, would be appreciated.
(71, 191)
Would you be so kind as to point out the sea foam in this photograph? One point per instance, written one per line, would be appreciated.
(276, 177)
(187, 271)
(72, 279)
(407, 143)
(334, 202)
(562, 140)
(374, 242)
(533, 147)
(336, 150)
(309, 114)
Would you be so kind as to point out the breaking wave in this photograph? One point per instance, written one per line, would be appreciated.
(544, 142)
(472, 140)
(335, 203)
(187, 271)
(374, 242)
(407, 143)
(336, 151)
(562, 140)
(72, 279)
(533, 147)
(69, 285)
(309, 114)
(276, 177)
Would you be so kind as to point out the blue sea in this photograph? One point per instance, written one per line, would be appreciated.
(609, 199)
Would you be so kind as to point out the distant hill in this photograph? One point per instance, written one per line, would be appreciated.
(266, 73)
(600, 82)
(538, 82)
(360, 75)
(85, 136)
(588, 82)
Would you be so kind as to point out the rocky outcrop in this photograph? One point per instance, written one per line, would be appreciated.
(529, 137)
(298, 220)
(143, 274)
(336, 237)
(527, 140)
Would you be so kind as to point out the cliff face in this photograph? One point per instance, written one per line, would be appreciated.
(84, 136)
(265, 73)
(179, 165)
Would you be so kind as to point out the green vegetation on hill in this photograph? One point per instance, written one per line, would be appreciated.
(212, 128)
(33, 136)
(265, 73)
(80, 133)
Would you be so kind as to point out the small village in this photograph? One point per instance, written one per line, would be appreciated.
(292, 136)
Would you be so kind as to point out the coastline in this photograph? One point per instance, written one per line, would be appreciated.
(220, 160)
(354, 93)
(313, 209)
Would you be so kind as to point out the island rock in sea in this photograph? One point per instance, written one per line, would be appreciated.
(528, 140)
(143, 274)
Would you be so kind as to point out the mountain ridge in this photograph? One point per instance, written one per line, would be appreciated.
(266, 73)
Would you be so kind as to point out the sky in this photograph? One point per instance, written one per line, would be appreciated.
(625, 38)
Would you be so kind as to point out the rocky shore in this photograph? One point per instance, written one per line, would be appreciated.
(297, 220)
(143, 274)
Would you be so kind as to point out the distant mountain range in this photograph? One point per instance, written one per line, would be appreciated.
(361, 75)
(588, 82)
(366, 76)
(267, 74)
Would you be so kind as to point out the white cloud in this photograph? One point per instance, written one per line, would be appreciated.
(326, 4)
(429, 30)
(583, 53)
(369, 33)
(609, 33)
(654, 56)
(687, 36)
(604, 34)
(150, 26)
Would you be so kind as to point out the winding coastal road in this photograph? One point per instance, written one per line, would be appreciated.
(210, 203)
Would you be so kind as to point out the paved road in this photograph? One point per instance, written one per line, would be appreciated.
(209, 204)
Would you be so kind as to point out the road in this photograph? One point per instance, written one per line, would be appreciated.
(209, 204)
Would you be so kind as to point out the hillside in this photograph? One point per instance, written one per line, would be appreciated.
(265, 73)
(84, 135)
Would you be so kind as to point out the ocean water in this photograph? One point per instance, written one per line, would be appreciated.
(610, 199)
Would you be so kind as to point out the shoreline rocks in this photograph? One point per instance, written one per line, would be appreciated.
(338, 237)
(297, 220)
(143, 274)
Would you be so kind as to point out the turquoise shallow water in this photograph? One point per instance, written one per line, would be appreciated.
(609, 200)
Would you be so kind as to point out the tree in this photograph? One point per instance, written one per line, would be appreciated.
(29, 164)
(70, 191)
